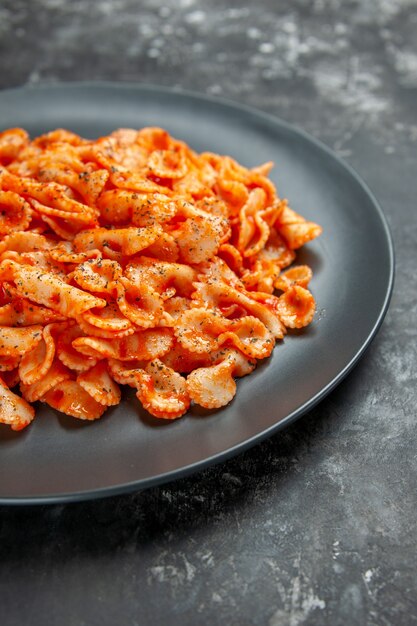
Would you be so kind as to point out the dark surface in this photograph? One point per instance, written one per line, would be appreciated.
(69, 459)
(317, 524)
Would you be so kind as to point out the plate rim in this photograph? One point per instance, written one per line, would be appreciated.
(170, 476)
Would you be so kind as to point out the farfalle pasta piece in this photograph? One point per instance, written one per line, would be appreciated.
(116, 206)
(162, 275)
(36, 363)
(232, 257)
(213, 387)
(296, 307)
(88, 185)
(97, 382)
(24, 241)
(165, 248)
(218, 271)
(14, 411)
(145, 345)
(140, 304)
(9, 363)
(128, 241)
(64, 253)
(219, 294)
(63, 228)
(119, 151)
(296, 230)
(200, 235)
(125, 372)
(148, 208)
(101, 326)
(82, 219)
(68, 355)
(253, 232)
(299, 275)
(213, 205)
(276, 251)
(56, 374)
(38, 259)
(162, 391)
(185, 361)
(70, 398)
(191, 186)
(243, 364)
(108, 319)
(23, 312)
(122, 206)
(14, 212)
(18, 341)
(266, 266)
(154, 138)
(263, 169)
(98, 275)
(198, 239)
(48, 289)
(249, 335)
(150, 285)
(167, 164)
(48, 198)
(12, 142)
(202, 331)
(136, 181)
(198, 330)
(59, 135)
(173, 308)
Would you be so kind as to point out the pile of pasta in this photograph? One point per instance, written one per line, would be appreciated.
(132, 260)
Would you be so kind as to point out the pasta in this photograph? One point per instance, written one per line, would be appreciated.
(132, 260)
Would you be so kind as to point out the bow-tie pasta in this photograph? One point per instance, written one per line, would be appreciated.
(133, 260)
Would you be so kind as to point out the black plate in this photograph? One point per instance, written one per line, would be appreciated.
(62, 459)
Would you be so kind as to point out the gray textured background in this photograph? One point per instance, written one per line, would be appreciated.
(316, 525)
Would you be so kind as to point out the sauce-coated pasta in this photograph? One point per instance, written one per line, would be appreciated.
(132, 260)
